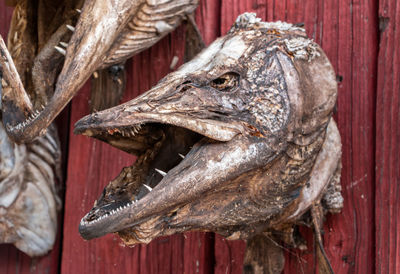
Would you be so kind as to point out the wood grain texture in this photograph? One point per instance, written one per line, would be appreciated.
(364, 238)
(92, 164)
(229, 255)
(5, 19)
(347, 32)
(387, 197)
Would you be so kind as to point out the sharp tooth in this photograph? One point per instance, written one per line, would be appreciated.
(132, 133)
(60, 50)
(148, 187)
(78, 10)
(181, 155)
(65, 45)
(161, 172)
(71, 28)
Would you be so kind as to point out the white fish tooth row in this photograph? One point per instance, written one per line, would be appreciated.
(63, 44)
(110, 213)
(25, 122)
(130, 132)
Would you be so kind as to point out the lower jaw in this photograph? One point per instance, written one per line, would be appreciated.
(144, 171)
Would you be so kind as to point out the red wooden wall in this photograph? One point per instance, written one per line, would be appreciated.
(362, 40)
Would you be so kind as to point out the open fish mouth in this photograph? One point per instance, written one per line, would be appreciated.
(143, 191)
(226, 143)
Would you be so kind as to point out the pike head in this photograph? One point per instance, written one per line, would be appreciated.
(107, 32)
(226, 143)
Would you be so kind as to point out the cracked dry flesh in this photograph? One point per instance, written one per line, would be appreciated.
(97, 35)
(238, 141)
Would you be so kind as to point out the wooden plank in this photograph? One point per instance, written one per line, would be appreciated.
(5, 19)
(208, 19)
(347, 31)
(92, 164)
(348, 36)
(356, 107)
(198, 252)
(228, 256)
(387, 197)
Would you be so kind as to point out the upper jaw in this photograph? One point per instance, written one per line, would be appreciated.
(92, 125)
(152, 107)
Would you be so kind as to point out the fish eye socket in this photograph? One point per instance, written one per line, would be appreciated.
(226, 82)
